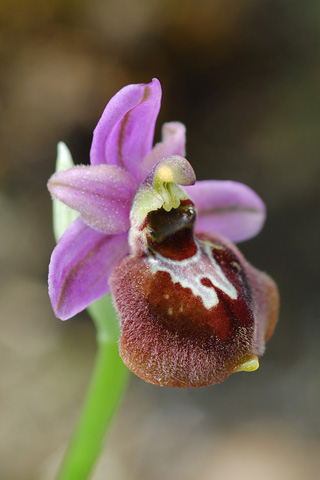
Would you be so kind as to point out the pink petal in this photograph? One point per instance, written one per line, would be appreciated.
(173, 143)
(227, 207)
(102, 194)
(80, 267)
(124, 134)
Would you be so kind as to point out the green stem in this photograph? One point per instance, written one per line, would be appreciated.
(105, 391)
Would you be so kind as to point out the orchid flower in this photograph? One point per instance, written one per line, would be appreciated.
(192, 310)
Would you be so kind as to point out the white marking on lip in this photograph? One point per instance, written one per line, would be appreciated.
(199, 266)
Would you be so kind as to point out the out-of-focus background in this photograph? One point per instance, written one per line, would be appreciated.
(244, 78)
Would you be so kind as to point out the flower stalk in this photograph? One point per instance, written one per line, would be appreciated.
(107, 385)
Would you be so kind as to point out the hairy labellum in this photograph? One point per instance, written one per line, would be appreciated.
(192, 309)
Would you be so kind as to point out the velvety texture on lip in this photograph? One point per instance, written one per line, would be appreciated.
(168, 336)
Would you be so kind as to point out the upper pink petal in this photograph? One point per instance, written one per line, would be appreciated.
(173, 143)
(80, 267)
(102, 194)
(229, 208)
(124, 133)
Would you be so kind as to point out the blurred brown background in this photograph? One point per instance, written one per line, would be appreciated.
(244, 78)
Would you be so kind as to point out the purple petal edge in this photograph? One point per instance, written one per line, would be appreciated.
(229, 208)
(124, 133)
(102, 194)
(80, 267)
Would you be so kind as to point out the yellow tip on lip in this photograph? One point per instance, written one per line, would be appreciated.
(249, 365)
(165, 174)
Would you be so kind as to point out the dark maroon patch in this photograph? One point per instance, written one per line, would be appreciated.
(171, 233)
(207, 282)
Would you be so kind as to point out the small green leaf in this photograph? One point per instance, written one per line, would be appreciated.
(63, 216)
